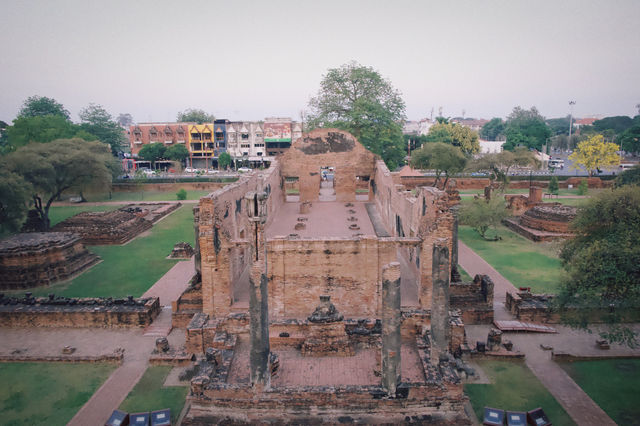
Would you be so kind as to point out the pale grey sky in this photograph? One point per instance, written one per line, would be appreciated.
(252, 59)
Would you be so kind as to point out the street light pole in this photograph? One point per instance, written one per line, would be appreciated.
(571, 104)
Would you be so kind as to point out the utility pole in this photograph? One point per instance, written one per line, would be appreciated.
(571, 104)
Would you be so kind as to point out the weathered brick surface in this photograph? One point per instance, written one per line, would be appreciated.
(41, 258)
(474, 300)
(43, 312)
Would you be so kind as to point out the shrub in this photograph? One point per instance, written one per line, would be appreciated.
(181, 194)
(553, 185)
(583, 187)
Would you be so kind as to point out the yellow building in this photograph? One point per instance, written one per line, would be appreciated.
(201, 145)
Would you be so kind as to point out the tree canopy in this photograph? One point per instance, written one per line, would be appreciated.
(493, 130)
(629, 177)
(617, 123)
(94, 119)
(559, 126)
(456, 135)
(61, 165)
(41, 129)
(526, 128)
(629, 140)
(498, 165)
(603, 259)
(195, 115)
(484, 215)
(152, 152)
(39, 106)
(224, 160)
(441, 157)
(594, 153)
(125, 120)
(15, 194)
(176, 153)
(358, 99)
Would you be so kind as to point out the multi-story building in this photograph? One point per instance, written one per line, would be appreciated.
(166, 133)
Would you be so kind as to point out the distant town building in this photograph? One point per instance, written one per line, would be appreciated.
(420, 127)
(472, 123)
(584, 122)
(490, 147)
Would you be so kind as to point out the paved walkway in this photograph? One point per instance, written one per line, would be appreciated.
(111, 394)
(582, 409)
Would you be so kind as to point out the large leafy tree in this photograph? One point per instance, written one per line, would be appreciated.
(493, 130)
(42, 129)
(38, 106)
(193, 115)
(594, 153)
(526, 128)
(629, 140)
(484, 216)
(617, 124)
(603, 259)
(152, 152)
(59, 166)
(15, 193)
(559, 126)
(95, 120)
(176, 152)
(498, 165)
(456, 135)
(224, 160)
(443, 158)
(358, 99)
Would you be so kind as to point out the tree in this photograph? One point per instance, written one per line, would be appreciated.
(195, 115)
(359, 100)
(559, 126)
(595, 153)
(483, 215)
(15, 193)
(39, 106)
(441, 157)
(553, 185)
(41, 129)
(176, 153)
(61, 165)
(498, 165)
(224, 160)
(456, 135)
(493, 130)
(617, 124)
(629, 140)
(95, 120)
(152, 152)
(603, 259)
(629, 177)
(125, 120)
(526, 128)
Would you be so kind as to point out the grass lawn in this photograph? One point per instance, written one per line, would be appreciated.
(150, 395)
(131, 268)
(612, 384)
(514, 388)
(146, 196)
(59, 213)
(523, 262)
(47, 393)
(464, 276)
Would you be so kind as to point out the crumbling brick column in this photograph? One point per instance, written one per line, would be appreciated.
(455, 274)
(196, 228)
(391, 321)
(440, 329)
(259, 322)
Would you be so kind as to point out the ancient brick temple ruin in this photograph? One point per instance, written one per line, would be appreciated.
(324, 294)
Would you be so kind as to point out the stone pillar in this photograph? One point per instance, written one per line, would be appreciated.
(455, 274)
(391, 321)
(440, 328)
(196, 228)
(259, 323)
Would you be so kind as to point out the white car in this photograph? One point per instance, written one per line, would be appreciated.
(244, 169)
(211, 171)
(190, 170)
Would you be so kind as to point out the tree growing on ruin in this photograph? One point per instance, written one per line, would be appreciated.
(59, 166)
(193, 115)
(443, 158)
(603, 260)
(358, 99)
(594, 153)
(484, 216)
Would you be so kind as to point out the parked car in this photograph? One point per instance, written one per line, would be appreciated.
(212, 171)
(190, 170)
(244, 169)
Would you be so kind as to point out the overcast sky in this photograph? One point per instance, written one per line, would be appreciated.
(248, 60)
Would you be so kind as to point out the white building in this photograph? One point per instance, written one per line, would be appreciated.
(490, 147)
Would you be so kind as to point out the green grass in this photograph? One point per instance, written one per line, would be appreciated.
(59, 213)
(612, 384)
(150, 395)
(464, 276)
(47, 393)
(523, 262)
(131, 268)
(146, 196)
(514, 388)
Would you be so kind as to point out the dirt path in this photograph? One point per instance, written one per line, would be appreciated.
(580, 407)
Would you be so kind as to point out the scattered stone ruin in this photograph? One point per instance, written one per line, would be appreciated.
(34, 259)
(182, 251)
(544, 222)
(52, 311)
(386, 306)
(519, 203)
(116, 226)
(473, 299)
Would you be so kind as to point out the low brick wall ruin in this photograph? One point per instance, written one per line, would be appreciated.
(79, 313)
(474, 300)
(166, 187)
(41, 258)
(188, 304)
